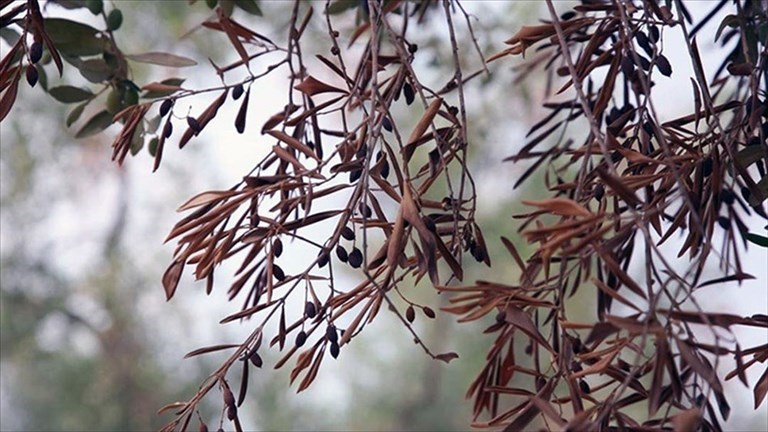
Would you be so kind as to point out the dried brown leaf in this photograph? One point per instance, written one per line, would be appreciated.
(687, 421)
(521, 320)
(293, 143)
(312, 86)
(208, 349)
(421, 127)
(205, 198)
(560, 206)
(761, 389)
(171, 278)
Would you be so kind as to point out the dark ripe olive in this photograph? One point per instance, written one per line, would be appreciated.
(278, 273)
(255, 359)
(745, 193)
(408, 93)
(165, 107)
(410, 314)
(429, 223)
(644, 42)
(32, 75)
(35, 52)
(479, 254)
(599, 192)
(167, 129)
(354, 175)
(706, 167)
(341, 253)
(724, 222)
(355, 258)
(301, 338)
(663, 65)
(331, 333)
(384, 169)
(310, 310)
(648, 128)
(323, 258)
(584, 387)
(653, 33)
(348, 233)
(193, 124)
(237, 91)
(577, 345)
(334, 350)
(231, 412)
(365, 210)
(412, 48)
(727, 196)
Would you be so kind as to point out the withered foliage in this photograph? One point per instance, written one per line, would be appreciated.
(619, 190)
(618, 193)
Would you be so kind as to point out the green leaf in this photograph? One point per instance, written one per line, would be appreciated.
(95, 70)
(95, 124)
(250, 6)
(174, 81)
(69, 94)
(340, 6)
(137, 140)
(74, 38)
(757, 239)
(114, 19)
(9, 35)
(153, 124)
(152, 147)
(227, 6)
(76, 113)
(95, 6)
(42, 76)
(162, 59)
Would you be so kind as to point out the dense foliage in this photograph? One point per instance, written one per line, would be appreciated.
(395, 200)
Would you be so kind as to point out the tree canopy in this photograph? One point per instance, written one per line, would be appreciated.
(370, 169)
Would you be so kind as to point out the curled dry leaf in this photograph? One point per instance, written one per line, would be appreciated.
(206, 198)
(312, 86)
(560, 206)
(447, 357)
(171, 278)
(210, 349)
